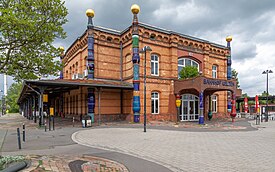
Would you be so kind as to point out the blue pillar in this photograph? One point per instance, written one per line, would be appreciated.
(91, 103)
(201, 118)
(90, 64)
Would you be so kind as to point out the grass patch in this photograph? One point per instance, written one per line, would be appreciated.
(6, 160)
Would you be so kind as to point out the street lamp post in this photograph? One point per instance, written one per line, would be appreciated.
(144, 50)
(266, 109)
(1, 103)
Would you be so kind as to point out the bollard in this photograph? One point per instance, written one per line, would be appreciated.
(24, 133)
(85, 123)
(45, 126)
(18, 137)
(49, 123)
(257, 119)
(53, 122)
(73, 121)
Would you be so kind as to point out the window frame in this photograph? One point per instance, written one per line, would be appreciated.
(214, 102)
(215, 71)
(154, 62)
(153, 102)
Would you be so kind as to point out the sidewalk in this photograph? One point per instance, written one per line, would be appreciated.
(56, 151)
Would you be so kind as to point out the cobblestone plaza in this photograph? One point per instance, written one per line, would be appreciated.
(190, 151)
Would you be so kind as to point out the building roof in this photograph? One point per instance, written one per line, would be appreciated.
(82, 82)
(151, 27)
(64, 85)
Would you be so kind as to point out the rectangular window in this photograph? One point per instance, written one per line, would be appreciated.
(154, 65)
(214, 104)
(155, 103)
(214, 71)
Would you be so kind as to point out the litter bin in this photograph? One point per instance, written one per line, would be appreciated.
(86, 121)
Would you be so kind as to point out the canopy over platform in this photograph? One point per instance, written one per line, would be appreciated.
(65, 85)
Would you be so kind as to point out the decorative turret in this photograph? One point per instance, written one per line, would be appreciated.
(229, 72)
(136, 59)
(90, 63)
(90, 59)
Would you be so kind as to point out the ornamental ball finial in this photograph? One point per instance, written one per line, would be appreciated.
(61, 48)
(90, 13)
(135, 9)
(228, 38)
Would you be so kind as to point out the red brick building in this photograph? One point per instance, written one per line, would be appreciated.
(113, 77)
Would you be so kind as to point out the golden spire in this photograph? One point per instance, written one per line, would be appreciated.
(228, 38)
(135, 9)
(90, 13)
(61, 48)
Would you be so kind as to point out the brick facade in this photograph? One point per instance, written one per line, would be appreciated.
(113, 61)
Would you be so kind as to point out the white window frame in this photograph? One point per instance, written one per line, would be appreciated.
(154, 62)
(214, 99)
(154, 99)
(184, 64)
(215, 71)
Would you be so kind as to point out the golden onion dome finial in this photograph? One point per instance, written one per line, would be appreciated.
(228, 38)
(135, 9)
(90, 13)
(61, 48)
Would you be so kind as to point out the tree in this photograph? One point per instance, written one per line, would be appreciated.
(12, 97)
(188, 72)
(27, 31)
(235, 76)
(244, 95)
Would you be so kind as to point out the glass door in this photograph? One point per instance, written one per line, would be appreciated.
(189, 108)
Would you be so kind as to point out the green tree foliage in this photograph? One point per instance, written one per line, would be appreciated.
(235, 76)
(245, 95)
(27, 31)
(188, 72)
(12, 97)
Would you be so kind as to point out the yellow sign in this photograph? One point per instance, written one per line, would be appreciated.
(45, 98)
(178, 103)
(51, 111)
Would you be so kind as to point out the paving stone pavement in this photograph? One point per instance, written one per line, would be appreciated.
(190, 151)
(60, 164)
(54, 150)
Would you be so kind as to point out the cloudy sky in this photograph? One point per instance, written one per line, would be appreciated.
(250, 22)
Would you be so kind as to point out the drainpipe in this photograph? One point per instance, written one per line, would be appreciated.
(121, 60)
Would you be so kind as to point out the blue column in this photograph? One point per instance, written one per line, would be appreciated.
(91, 103)
(201, 118)
(90, 63)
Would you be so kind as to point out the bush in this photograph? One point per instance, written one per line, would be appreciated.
(188, 72)
(5, 160)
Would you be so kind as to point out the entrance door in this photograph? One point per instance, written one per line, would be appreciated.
(189, 110)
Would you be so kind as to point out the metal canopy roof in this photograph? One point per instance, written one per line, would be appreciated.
(65, 85)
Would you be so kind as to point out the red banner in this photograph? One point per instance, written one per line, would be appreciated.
(245, 105)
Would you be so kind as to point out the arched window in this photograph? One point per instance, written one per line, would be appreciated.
(154, 65)
(182, 62)
(214, 103)
(214, 71)
(155, 103)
